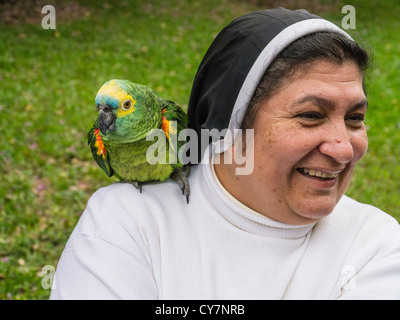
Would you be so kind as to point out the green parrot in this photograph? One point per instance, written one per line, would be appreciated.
(127, 113)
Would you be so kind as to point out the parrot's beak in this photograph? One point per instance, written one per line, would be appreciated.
(106, 118)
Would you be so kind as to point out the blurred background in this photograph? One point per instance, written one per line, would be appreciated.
(49, 78)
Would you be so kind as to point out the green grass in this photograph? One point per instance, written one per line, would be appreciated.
(48, 81)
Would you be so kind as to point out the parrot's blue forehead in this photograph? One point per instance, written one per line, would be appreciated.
(103, 99)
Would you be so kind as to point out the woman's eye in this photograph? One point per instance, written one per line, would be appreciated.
(355, 119)
(310, 116)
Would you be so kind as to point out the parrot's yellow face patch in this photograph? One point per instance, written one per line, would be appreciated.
(125, 108)
(126, 104)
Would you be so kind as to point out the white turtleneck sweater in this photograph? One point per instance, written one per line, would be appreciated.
(152, 245)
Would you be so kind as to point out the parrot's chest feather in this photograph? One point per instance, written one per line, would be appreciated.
(130, 163)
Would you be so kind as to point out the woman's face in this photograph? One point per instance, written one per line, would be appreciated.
(307, 139)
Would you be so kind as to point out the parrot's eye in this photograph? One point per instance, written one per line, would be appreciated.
(127, 104)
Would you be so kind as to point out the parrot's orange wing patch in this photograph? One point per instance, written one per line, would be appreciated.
(170, 129)
(101, 149)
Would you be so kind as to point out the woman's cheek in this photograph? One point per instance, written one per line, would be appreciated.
(360, 144)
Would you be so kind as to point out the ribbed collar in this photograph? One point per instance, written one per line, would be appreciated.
(239, 214)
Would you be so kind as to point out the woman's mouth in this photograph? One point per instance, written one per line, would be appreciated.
(318, 174)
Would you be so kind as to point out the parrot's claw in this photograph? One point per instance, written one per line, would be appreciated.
(181, 176)
(136, 184)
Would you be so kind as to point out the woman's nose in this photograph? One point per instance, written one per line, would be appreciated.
(337, 144)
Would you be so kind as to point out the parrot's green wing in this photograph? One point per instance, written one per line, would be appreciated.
(99, 151)
(174, 119)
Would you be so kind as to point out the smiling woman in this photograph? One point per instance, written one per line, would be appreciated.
(309, 106)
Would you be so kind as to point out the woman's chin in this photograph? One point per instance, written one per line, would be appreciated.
(315, 209)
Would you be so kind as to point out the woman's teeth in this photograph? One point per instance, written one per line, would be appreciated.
(319, 174)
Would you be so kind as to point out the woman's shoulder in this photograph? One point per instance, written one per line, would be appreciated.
(120, 209)
(122, 192)
(124, 198)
